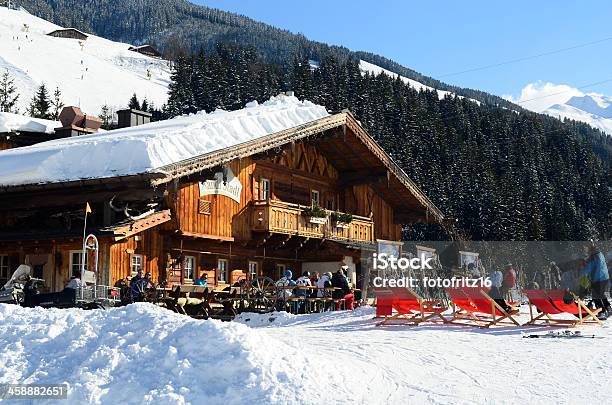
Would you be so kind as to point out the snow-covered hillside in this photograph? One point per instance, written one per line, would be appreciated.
(89, 73)
(145, 354)
(367, 67)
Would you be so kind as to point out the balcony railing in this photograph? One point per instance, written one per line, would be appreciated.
(286, 218)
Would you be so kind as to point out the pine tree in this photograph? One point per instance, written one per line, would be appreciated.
(106, 115)
(134, 104)
(8, 94)
(145, 105)
(40, 104)
(56, 104)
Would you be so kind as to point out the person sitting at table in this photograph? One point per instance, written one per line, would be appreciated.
(343, 291)
(202, 280)
(75, 281)
(314, 278)
(324, 282)
(285, 283)
(302, 281)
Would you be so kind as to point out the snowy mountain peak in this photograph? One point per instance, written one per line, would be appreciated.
(563, 101)
(595, 104)
(89, 73)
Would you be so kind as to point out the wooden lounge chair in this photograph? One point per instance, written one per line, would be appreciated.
(577, 308)
(474, 307)
(411, 309)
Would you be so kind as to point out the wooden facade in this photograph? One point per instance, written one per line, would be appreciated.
(167, 223)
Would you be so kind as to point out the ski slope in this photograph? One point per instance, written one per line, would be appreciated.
(89, 73)
(145, 354)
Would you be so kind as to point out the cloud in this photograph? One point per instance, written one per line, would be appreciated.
(540, 95)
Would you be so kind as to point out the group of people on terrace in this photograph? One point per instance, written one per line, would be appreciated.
(327, 285)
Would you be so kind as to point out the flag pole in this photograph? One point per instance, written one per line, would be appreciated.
(84, 257)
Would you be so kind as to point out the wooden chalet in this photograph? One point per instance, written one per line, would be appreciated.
(148, 50)
(235, 210)
(18, 130)
(71, 33)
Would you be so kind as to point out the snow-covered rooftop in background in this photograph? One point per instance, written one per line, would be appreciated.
(89, 73)
(145, 148)
(14, 122)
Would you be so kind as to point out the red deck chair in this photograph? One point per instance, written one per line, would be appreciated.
(577, 308)
(477, 308)
(411, 309)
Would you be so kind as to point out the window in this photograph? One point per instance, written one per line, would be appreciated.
(4, 267)
(136, 264)
(265, 189)
(253, 268)
(189, 267)
(76, 261)
(314, 197)
(222, 266)
(330, 203)
(280, 269)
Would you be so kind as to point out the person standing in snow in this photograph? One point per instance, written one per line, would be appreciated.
(597, 273)
(509, 280)
(343, 291)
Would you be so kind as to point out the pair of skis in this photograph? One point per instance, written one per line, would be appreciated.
(566, 334)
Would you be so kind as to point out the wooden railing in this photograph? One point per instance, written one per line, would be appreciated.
(281, 217)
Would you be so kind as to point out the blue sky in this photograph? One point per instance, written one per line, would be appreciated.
(442, 37)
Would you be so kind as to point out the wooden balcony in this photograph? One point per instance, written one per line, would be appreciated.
(287, 218)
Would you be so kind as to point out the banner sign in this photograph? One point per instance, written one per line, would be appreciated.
(227, 185)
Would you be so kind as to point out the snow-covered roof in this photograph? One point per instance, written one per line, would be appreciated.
(14, 122)
(145, 148)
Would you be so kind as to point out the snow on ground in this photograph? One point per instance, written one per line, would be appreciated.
(144, 148)
(15, 122)
(83, 73)
(142, 353)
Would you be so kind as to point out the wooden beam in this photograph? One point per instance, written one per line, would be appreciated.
(357, 177)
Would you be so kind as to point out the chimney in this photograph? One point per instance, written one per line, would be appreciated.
(75, 123)
(131, 118)
(289, 93)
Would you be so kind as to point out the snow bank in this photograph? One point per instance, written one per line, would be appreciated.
(148, 147)
(15, 122)
(145, 354)
(81, 69)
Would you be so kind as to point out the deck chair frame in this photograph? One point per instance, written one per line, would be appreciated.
(476, 314)
(416, 311)
(584, 315)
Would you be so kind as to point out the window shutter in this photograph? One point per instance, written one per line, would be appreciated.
(204, 207)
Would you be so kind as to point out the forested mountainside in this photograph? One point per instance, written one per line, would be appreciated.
(176, 26)
(503, 172)
(504, 175)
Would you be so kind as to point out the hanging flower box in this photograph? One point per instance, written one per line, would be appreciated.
(341, 219)
(316, 220)
(315, 215)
